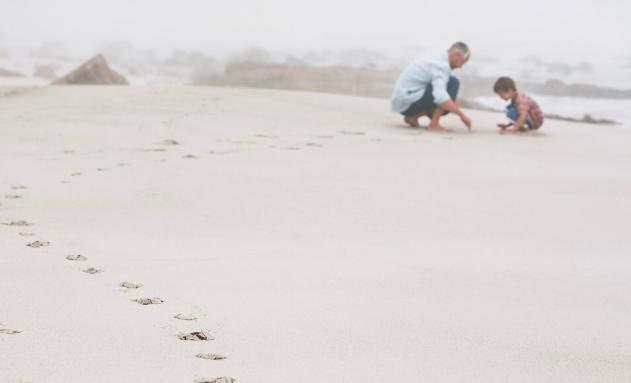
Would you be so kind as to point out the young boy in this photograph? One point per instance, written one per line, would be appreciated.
(522, 110)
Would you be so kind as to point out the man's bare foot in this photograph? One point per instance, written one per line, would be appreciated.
(412, 121)
(438, 128)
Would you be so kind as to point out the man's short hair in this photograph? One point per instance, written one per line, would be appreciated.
(504, 84)
(461, 48)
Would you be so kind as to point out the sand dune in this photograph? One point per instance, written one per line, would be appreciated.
(297, 237)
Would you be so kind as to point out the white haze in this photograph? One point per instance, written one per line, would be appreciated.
(557, 29)
(588, 31)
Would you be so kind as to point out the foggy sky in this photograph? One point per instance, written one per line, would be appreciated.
(559, 30)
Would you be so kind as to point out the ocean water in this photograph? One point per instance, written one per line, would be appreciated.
(575, 107)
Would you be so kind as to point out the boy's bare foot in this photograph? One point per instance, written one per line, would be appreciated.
(412, 121)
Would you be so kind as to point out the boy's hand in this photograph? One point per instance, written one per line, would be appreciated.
(509, 131)
(503, 126)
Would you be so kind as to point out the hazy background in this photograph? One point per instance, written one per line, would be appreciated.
(582, 30)
(585, 41)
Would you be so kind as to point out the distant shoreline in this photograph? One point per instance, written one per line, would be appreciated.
(586, 119)
(464, 102)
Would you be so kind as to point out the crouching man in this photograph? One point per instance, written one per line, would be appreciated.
(427, 88)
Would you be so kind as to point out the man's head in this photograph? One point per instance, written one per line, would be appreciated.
(505, 88)
(458, 55)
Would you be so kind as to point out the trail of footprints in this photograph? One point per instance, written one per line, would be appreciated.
(194, 336)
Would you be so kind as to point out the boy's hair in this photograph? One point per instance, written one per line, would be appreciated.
(504, 84)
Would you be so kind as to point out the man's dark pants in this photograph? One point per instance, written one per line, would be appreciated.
(426, 105)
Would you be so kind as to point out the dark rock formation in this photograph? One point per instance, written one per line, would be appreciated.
(93, 72)
(9, 73)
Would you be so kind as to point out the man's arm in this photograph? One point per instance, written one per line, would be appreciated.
(440, 78)
(452, 107)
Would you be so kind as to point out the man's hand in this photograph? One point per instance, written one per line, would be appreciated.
(466, 120)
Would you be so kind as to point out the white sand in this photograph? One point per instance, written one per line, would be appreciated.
(311, 254)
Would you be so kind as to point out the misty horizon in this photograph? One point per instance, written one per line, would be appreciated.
(586, 30)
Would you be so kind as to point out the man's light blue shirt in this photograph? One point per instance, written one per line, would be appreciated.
(432, 69)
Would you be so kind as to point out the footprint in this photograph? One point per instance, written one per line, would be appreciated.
(168, 141)
(210, 356)
(25, 234)
(130, 285)
(38, 244)
(195, 336)
(121, 164)
(76, 257)
(17, 223)
(19, 187)
(9, 331)
(314, 144)
(291, 148)
(92, 270)
(185, 317)
(148, 301)
(68, 152)
(153, 150)
(191, 156)
(65, 182)
(75, 174)
(223, 379)
(265, 136)
(325, 137)
(222, 152)
(243, 142)
(12, 196)
(352, 133)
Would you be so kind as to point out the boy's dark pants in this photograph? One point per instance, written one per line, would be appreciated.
(426, 105)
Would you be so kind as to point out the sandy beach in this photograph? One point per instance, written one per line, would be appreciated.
(314, 237)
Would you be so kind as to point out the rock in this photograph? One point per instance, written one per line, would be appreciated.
(95, 71)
